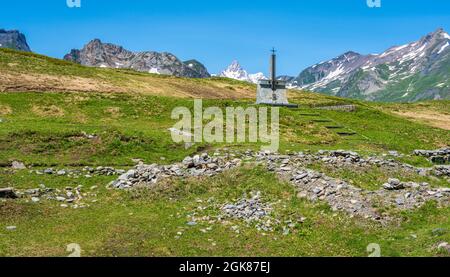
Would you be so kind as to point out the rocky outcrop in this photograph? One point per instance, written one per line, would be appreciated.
(198, 67)
(13, 40)
(99, 54)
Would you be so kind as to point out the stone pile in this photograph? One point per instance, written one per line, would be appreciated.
(252, 210)
(248, 209)
(394, 184)
(86, 171)
(313, 185)
(342, 196)
(68, 197)
(442, 170)
(439, 156)
(348, 156)
(351, 159)
(199, 165)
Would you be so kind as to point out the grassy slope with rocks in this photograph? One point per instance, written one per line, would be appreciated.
(49, 130)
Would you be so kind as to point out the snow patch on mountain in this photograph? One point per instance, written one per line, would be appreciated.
(255, 78)
(443, 47)
(154, 70)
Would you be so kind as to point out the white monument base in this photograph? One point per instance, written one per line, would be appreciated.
(266, 95)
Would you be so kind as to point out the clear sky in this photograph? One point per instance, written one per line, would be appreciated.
(215, 32)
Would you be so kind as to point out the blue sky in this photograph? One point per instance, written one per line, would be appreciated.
(215, 32)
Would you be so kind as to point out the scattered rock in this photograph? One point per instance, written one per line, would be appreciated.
(89, 136)
(49, 171)
(312, 185)
(439, 156)
(442, 170)
(61, 172)
(394, 154)
(85, 172)
(18, 165)
(444, 246)
(11, 228)
(60, 199)
(394, 184)
(439, 232)
(8, 193)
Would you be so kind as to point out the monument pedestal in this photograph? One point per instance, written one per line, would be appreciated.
(278, 97)
(273, 92)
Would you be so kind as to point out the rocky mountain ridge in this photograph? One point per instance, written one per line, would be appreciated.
(416, 71)
(99, 54)
(14, 40)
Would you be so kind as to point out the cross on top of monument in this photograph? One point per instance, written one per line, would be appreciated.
(273, 50)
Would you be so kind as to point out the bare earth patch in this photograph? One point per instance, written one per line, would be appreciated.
(5, 110)
(10, 82)
(48, 111)
(145, 84)
(435, 119)
(114, 112)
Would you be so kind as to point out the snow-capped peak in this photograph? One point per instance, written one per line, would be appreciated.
(255, 78)
(235, 71)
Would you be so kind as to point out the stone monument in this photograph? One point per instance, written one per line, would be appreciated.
(272, 91)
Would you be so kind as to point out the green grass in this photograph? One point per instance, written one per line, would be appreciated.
(46, 129)
(146, 222)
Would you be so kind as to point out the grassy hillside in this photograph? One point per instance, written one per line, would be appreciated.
(45, 124)
(47, 128)
(433, 113)
(21, 71)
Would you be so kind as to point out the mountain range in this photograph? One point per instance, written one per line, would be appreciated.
(416, 71)
(412, 72)
(99, 54)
